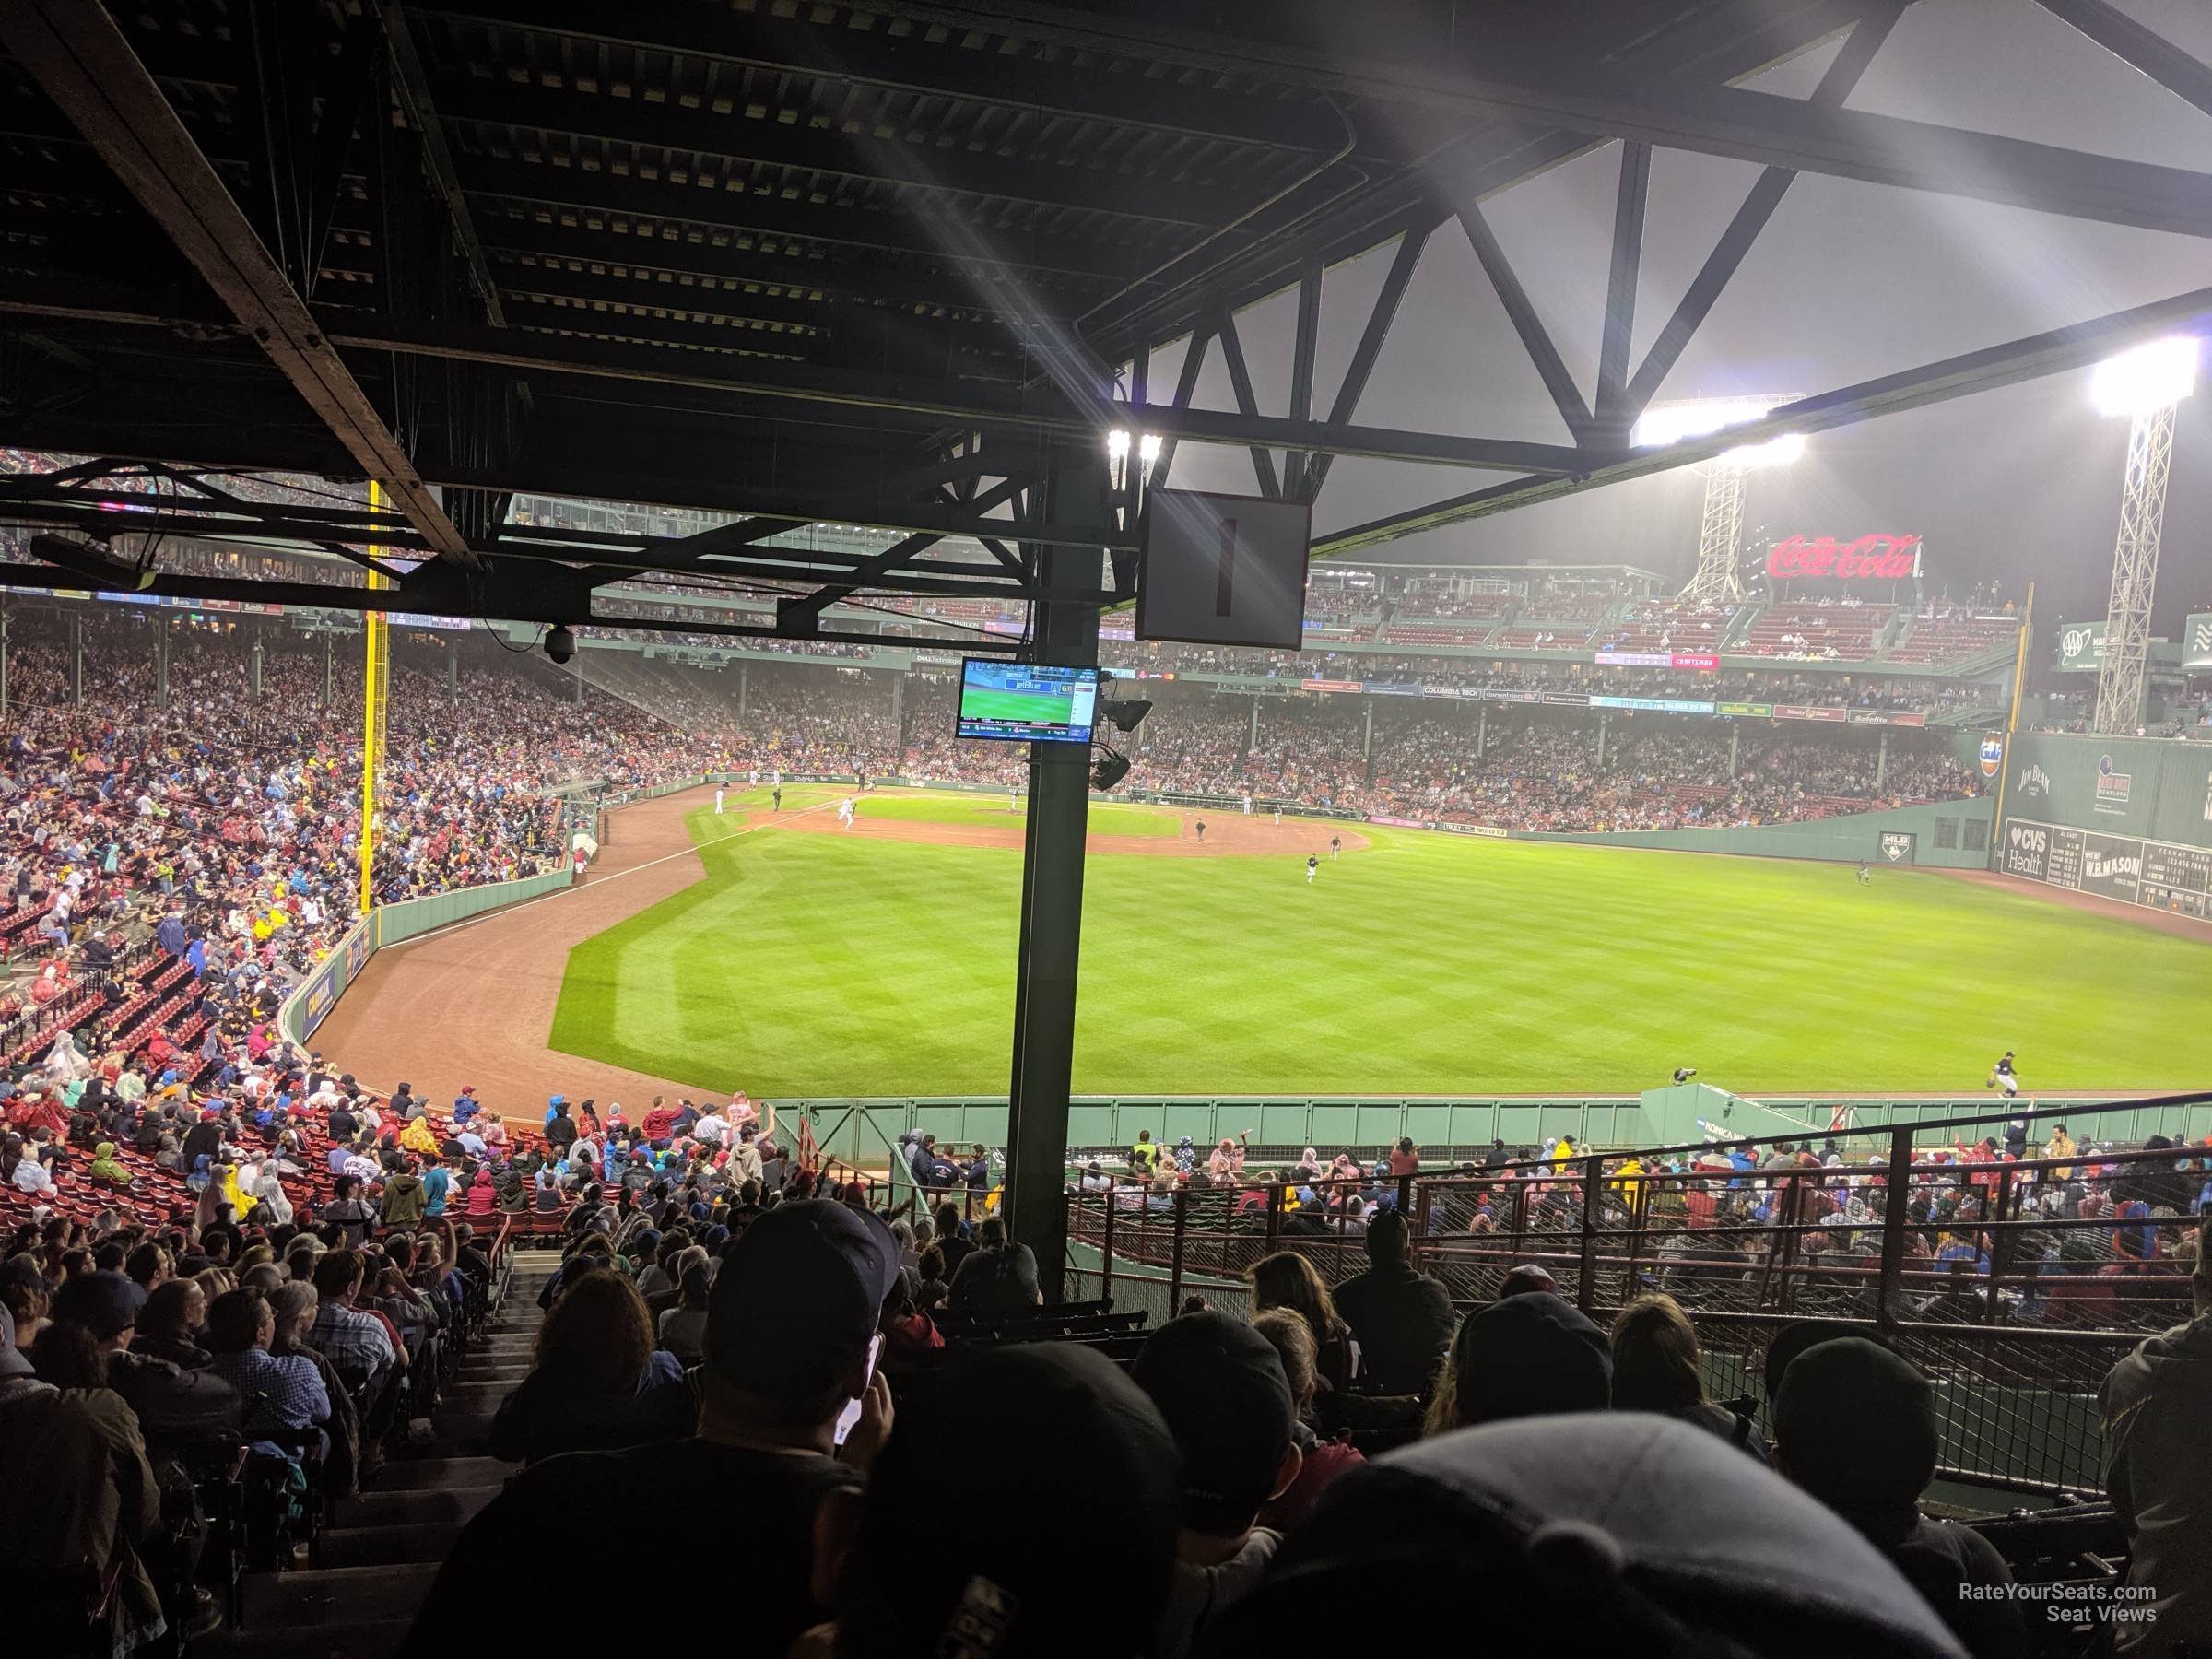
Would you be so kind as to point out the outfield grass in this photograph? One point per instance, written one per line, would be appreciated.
(817, 964)
(1106, 816)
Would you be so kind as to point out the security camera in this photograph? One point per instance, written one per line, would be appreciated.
(1108, 770)
(560, 642)
(1125, 716)
(1682, 1074)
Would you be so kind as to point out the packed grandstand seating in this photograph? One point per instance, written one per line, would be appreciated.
(322, 1319)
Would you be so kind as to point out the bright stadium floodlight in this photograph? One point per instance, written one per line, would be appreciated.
(1148, 448)
(2152, 376)
(1720, 526)
(1117, 444)
(1662, 424)
(2147, 383)
(1774, 451)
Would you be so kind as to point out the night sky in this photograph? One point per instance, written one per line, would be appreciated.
(1849, 281)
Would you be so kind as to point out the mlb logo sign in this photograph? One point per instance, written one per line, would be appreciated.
(1993, 756)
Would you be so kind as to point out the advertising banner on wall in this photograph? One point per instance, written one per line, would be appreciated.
(1569, 699)
(1897, 846)
(1329, 684)
(1885, 717)
(1794, 712)
(2196, 640)
(1876, 558)
(2081, 647)
(1746, 710)
(2127, 869)
(1658, 705)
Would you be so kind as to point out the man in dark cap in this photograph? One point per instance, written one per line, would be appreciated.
(1526, 1356)
(1855, 1425)
(1220, 1386)
(1019, 1562)
(1403, 1319)
(791, 1324)
(1636, 1534)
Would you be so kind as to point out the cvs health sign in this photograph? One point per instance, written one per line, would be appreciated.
(1877, 558)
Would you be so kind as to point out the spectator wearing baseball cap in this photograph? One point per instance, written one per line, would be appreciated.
(1018, 1562)
(1855, 1425)
(1221, 1387)
(790, 1324)
(1610, 1533)
(1525, 1355)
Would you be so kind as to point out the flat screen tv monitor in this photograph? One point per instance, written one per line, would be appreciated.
(1027, 702)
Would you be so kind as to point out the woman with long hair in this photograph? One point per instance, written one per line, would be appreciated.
(1655, 1367)
(1287, 1280)
(596, 1382)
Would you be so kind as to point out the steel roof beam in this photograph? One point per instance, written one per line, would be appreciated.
(2139, 47)
(961, 403)
(809, 148)
(694, 258)
(2077, 346)
(1604, 101)
(749, 213)
(83, 64)
(934, 70)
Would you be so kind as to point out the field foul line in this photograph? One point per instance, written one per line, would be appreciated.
(691, 851)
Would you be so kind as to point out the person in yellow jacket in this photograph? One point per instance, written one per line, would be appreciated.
(1626, 1180)
(2061, 1146)
(416, 1137)
(1563, 1154)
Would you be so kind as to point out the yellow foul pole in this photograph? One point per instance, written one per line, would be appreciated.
(375, 679)
(2012, 725)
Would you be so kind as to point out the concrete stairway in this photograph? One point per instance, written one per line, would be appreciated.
(376, 1563)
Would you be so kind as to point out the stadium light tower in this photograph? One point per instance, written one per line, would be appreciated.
(2146, 384)
(1720, 526)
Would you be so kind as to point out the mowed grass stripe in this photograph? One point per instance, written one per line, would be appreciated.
(830, 965)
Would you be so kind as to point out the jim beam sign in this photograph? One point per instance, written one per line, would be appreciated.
(2081, 647)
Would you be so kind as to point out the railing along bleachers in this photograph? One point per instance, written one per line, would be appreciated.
(2015, 1283)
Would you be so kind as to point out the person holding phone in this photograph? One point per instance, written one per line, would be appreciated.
(791, 1411)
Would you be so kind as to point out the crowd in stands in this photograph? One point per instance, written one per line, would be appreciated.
(279, 1264)
(1544, 774)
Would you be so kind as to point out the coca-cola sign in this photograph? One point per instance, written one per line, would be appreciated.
(1876, 558)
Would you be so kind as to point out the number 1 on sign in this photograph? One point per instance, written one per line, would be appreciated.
(1225, 570)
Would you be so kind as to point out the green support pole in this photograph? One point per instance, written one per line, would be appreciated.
(329, 673)
(257, 669)
(161, 664)
(1367, 733)
(1881, 762)
(1251, 731)
(1482, 731)
(453, 672)
(76, 660)
(1601, 743)
(1052, 884)
(1736, 731)
(741, 677)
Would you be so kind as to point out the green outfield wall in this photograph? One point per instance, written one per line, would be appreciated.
(866, 1132)
(1945, 835)
(2125, 819)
